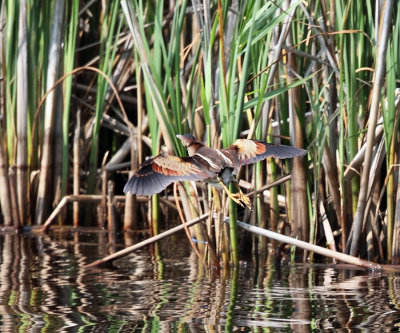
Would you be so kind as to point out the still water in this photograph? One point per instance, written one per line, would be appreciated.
(45, 288)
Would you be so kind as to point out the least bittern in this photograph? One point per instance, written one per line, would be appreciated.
(217, 167)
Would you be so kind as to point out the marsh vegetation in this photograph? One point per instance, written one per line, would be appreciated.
(90, 89)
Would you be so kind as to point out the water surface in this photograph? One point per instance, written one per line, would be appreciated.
(45, 287)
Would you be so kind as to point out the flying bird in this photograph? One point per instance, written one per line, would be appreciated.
(217, 167)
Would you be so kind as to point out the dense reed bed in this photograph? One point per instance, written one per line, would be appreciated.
(90, 89)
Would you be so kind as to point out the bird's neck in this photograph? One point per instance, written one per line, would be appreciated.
(192, 148)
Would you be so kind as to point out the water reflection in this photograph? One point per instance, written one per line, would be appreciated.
(43, 286)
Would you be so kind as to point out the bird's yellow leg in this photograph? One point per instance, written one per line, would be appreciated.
(240, 198)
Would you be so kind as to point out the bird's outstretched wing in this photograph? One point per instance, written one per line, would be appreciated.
(157, 173)
(250, 151)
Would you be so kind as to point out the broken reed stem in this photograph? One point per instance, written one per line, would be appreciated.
(151, 240)
(91, 198)
(13, 196)
(5, 197)
(111, 218)
(330, 240)
(101, 209)
(130, 219)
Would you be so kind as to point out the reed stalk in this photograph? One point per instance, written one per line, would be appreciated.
(69, 62)
(233, 232)
(76, 167)
(22, 112)
(390, 113)
(374, 110)
(43, 197)
(273, 205)
(308, 71)
(395, 242)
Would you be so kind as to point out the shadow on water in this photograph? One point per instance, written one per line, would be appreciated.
(45, 287)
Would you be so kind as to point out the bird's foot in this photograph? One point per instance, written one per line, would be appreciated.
(235, 197)
(241, 198)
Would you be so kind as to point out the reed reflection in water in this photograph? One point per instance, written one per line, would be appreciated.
(43, 286)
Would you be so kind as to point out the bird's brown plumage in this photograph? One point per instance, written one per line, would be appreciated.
(158, 172)
(203, 163)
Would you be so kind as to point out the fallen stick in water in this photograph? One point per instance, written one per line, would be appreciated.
(259, 231)
(317, 249)
(310, 247)
(151, 240)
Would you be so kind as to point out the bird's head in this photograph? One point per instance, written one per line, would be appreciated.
(187, 139)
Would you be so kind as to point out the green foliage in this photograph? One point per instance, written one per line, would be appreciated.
(221, 73)
(110, 30)
(69, 61)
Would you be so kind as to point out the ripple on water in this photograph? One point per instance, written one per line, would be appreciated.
(44, 285)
